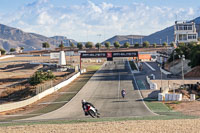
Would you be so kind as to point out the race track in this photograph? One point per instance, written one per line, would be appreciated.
(103, 90)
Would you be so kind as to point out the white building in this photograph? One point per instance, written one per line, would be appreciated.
(185, 32)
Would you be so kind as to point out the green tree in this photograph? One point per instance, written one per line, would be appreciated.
(195, 59)
(61, 46)
(22, 48)
(181, 44)
(172, 44)
(79, 45)
(45, 45)
(116, 44)
(12, 50)
(98, 45)
(41, 76)
(194, 55)
(165, 44)
(72, 45)
(126, 45)
(136, 45)
(89, 45)
(154, 45)
(3, 51)
(107, 45)
(146, 44)
(191, 44)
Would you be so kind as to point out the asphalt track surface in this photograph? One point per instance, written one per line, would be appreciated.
(104, 91)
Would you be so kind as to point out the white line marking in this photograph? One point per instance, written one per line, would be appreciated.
(118, 85)
(149, 66)
(72, 92)
(53, 102)
(164, 71)
(140, 92)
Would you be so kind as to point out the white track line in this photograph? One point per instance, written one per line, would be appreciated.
(118, 85)
(140, 92)
(149, 66)
(53, 102)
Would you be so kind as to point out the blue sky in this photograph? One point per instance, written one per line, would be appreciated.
(84, 20)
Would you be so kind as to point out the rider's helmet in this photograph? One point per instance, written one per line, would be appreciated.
(83, 101)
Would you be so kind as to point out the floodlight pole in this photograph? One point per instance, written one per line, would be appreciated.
(80, 62)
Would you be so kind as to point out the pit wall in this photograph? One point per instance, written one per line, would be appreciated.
(16, 105)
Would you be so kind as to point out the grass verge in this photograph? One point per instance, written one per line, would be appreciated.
(132, 64)
(141, 85)
(164, 111)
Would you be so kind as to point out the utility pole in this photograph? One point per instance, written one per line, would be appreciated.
(167, 39)
(182, 59)
(132, 40)
(161, 85)
(99, 35)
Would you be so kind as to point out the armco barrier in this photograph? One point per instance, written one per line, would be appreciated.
(16, 105)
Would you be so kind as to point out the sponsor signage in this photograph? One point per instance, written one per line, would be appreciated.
(69, 53)
(109, 54)
(54, 55)
(125, 54)
(93, 55)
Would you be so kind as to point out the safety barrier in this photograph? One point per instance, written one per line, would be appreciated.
(151, 84)
(7, 56)
(164, 71)
(16, 105)
(169, 97)
(192, 97)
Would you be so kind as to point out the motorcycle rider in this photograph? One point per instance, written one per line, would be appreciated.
(85, 104)
(123, 92)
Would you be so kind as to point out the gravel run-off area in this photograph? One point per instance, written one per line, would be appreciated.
(137, 126)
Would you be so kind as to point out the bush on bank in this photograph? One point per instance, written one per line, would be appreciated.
(41, 76)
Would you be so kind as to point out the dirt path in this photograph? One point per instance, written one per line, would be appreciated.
(188, 107)
(139, 126)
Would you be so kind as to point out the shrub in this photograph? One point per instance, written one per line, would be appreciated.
(3, 51)
(41, 76)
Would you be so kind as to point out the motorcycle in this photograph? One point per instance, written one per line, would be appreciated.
(123, 92)
(91, 111)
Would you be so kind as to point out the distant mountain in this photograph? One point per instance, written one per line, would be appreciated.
(13, 37)
(64, 39)
(122, 39)
(164, 35)
(168, 34)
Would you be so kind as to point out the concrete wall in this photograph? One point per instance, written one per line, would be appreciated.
(177, 68)
(16, 105)
(7, 56)
(151, 84)
(173, 83)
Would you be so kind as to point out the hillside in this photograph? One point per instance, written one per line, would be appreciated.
(157, 37)
(13, 37)
(122, 39)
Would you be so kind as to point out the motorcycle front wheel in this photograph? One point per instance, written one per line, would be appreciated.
(92, 113)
